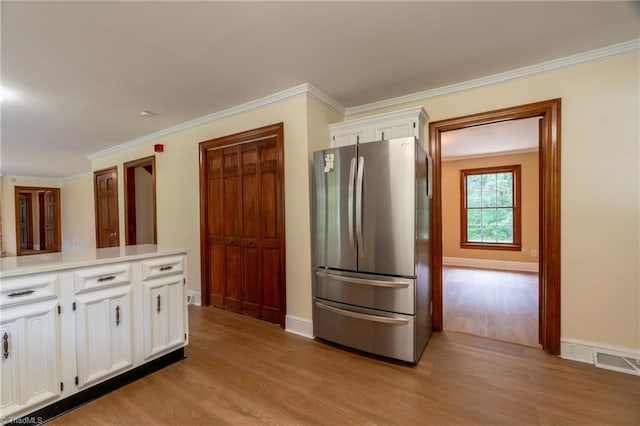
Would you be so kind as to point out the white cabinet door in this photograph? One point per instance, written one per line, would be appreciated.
(394, 129)
(349, 136)
(164, 303)
(104, 333)
(29, 356)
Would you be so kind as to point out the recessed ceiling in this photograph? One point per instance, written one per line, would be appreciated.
(491, 139)
(83, 71)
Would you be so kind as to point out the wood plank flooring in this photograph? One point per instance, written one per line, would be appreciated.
(500, 305)
(244, 371)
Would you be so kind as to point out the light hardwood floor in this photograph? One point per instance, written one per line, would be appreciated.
(500, 305)
(243, 371)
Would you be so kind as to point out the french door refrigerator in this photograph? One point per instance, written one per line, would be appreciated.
(371, 248)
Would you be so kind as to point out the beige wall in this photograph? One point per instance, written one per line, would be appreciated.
(144, 205)
(8, 207)
(451, 207)
(600, 237)
(177, 187)
(78, 216)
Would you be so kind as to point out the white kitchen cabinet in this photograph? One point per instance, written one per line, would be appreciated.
(104, 326)
(397, 124)
(164, 302)
(74, 321)
(29, 344)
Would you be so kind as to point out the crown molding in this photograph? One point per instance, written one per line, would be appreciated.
(302, 89)
(568, 61)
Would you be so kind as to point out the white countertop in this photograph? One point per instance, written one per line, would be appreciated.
(14, 266)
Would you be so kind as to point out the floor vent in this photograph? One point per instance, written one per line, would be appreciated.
(615, 362)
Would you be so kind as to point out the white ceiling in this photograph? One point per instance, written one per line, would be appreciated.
(83, 71)
(496, 138)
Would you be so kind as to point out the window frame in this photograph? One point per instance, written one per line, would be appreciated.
(516, 245)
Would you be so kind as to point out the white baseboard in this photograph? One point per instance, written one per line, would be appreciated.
(194, 297)
(300, 326)
(587, 352)
(490, 264)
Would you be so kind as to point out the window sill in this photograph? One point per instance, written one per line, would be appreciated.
(492, 246)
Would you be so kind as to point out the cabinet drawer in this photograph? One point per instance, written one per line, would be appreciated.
(28, 288)
(89, 279)
(162, 267)
(378, 332)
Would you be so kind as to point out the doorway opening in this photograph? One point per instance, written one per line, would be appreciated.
(140, 201)
(490, 230)
(548, 113)
(37, 213)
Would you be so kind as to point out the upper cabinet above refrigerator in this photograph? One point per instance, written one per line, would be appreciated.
(397, 124)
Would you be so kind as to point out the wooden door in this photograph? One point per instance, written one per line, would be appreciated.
(243, 223)
(49, 221)
(26, 221)
(106, 205)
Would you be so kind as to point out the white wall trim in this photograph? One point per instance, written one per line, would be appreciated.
(194, 297)
(580, 58)
(583, 350)
(490, 264)
(303, 89)
(300, 326)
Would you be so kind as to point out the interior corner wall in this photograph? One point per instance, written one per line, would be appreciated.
(178, 200)
(8, 209)
(529, 207)
(600, 187)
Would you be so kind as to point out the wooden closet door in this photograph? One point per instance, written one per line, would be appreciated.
(270, 212)
(243, 223)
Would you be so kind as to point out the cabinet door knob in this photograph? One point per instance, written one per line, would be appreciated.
(5, 346)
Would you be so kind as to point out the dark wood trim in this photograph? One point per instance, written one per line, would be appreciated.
(95, 199)
(58, 207)
(237, 138)
(549, 208)
(41, 213)
(149, 163)
(516, 245)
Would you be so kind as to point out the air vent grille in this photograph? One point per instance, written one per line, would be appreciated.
(616, 362)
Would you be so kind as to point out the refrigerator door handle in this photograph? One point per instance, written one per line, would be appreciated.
(359, 212)
(352, 172)
(364, 281)
(366, 317)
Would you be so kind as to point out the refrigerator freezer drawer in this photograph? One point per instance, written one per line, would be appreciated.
(376, 292)
(377, 332)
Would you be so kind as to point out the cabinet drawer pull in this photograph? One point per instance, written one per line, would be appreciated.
(159, 303)
(166, 268)
(109, 278)
(21, 293)
(117, 315)
(5, 346)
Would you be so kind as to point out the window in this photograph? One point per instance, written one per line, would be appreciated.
(490, 208)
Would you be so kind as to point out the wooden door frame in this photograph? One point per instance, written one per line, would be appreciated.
(41, 213)
(56, 198)
(95, 200)
(130, 198)
(549, 208)
(29, 200)
(237, 138)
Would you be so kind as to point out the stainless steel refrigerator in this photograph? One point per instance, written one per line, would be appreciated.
(371, 248)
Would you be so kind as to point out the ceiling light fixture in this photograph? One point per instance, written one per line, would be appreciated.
(145, 113)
